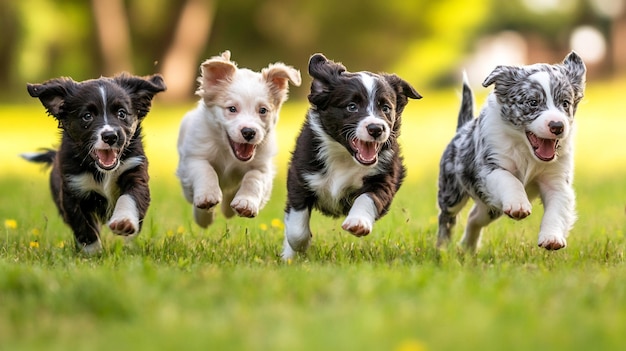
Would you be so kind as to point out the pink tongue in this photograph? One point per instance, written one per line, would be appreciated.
(106, 157)
(243, 151)
(366, 151)
(546, 148)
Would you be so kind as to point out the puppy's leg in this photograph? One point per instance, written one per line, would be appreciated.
(78, 216)
(203, 217)
(361, 217)
(297, 232)
(508, 193)
(451, 198)
(85, 227)
(250, 196)
(132, 205)
(206, 186)
(559, 213)
(479, 217)
(228, 196)
(125, 218)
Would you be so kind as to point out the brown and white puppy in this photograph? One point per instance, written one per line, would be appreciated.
(100, 172)
(347, 159)
(227, 143)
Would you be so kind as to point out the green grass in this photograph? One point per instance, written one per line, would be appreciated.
(178, 287)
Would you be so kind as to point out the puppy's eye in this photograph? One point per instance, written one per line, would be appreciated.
(232, 109)
(565, 104)
(263, 111)
(386, 109)
(352, 107)
(121, 114)
(532, 103)
(87, 117)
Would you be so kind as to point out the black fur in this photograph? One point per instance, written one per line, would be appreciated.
(83, 197)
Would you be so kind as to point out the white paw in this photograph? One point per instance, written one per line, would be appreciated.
(357, 225)
(124, 220)
(245, 207)
(92, 249)
(207, 200)
(517, 209)
(288, 253)
(124, 226)
(551, 241)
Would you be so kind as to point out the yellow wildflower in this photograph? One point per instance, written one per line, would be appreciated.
(277, 223)
(35, 232)
(411, 345)
(263, 226)
(10, 223)
(180, 230)
(33, 244)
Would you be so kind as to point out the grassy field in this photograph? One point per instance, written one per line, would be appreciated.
(181, 288)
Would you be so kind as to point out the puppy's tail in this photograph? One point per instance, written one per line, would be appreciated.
(466, 113)
(44, 156)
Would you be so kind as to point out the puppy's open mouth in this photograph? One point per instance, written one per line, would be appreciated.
(366, 152)
(106, 159)
(544, 149)
(243, 151)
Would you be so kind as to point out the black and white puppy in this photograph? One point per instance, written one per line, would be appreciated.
(519, 147)
(99, 173)
(347, 159)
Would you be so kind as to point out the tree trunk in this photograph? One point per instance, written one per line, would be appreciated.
(114, 35)
(181, 61)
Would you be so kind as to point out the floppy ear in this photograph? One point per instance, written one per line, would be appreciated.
(575, 71)
(278, 76)
(404, 91)
(214, 71)
(141, 90)
(53, 94)
(324, 73)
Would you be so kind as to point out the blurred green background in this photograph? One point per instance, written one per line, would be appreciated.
(426, 42)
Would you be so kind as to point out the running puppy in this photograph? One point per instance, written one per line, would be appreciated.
(227, 143)
(100, 172)
(519, 147)
(347, 159)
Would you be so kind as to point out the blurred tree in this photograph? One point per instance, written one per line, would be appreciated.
(180, 63)
(114, 34)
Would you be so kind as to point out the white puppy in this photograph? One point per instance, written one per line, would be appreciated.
(227, 143)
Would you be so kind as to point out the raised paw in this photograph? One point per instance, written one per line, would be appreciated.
(551, 242)
(123, 226)
(207, 201)
(358, 226)
(517, 210)
(245, 207)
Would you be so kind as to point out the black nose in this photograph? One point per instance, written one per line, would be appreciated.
(248, 133)
(375, 130)
(109, 137)
(556, 128)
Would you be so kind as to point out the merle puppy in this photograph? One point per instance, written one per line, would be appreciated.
(519, 147)
(99, 173)
(347, 159)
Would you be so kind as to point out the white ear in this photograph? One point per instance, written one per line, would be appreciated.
(278, 76)
(215, 71)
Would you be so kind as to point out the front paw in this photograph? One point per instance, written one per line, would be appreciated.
(517, 209)
(551, 241)
(123, 226)
(207, 201)
(245, 207)
(358, 226)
